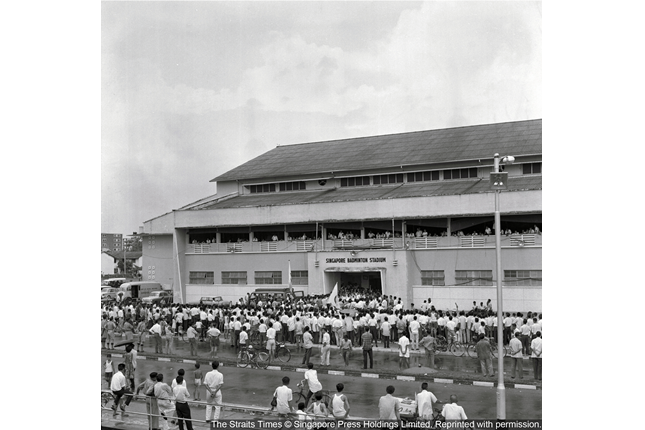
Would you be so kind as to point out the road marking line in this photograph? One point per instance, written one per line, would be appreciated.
(162, 359)
(189, 361)
(526, 387)
(141, 357)
(299, 369)
(117, 355)
(369, 375)
(405, 378)
(443, 381)
(274, 367)
(484, 384)
(336, 372)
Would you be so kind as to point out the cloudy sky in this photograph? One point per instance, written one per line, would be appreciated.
(192, 90)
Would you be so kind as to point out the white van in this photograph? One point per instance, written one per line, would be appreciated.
(139, 290)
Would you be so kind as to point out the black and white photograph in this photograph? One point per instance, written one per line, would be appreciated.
(321, 214)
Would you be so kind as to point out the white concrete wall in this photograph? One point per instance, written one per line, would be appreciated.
(516, 299)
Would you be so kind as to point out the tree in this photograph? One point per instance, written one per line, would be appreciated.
(133, 243)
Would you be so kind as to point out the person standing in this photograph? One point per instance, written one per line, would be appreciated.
(452, 411)
(485, 356)
(213, 334)
(191, 334)
(130, 367)
(308, 344)
(181, 404)
(429, 345)
(346, 349)
(536, 355)
(110, 328)
(414, 333)
(526, 337)
(109, 369)
(155, 331)
(213, 381)
(404, 352)
(199, 380)
(425, 401)
(325, 348)
(284, 397)
(366, 339)
(385, 332)
(140, 331)
(388, 405)
(516, 355)
(339, 403)
(167, 334)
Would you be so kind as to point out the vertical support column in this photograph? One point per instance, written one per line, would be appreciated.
(449, 227)
(218, 237)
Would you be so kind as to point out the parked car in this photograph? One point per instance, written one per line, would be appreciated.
(214, 300)
(158, 298)
(109, 293)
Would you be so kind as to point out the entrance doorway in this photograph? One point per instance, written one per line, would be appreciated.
(356, 282)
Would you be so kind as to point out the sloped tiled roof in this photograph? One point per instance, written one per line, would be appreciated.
(404, 149)
(417, 189)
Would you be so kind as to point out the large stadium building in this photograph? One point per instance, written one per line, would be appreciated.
(409, 215)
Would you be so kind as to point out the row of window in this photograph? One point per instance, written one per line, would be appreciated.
(428, 277)
(395, 178)
(483, 277)
(298, 277)
(283, 186)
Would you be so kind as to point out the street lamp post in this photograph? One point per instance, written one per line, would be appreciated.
(498, 182)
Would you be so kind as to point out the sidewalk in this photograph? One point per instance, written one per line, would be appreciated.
(448, 368)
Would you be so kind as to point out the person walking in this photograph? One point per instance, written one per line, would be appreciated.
(452, 411)
(536, 355)
(485, 356)
(325, 348)
(181, 404)
(146, 388)
(118, 385)
(213, 381)
(425, 402)
(339, 403)
(388, 405)
(307, 343)
(163, 393)
(516, 355)
(366, 339)
(284, 398)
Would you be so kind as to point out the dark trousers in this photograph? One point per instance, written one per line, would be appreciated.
(526, 344)
(537, 368)
(305, 359)
(118, 395)
(183, 411)
(367, 352)
(386, 341)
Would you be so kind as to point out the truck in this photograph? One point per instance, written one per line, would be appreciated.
(133, 291)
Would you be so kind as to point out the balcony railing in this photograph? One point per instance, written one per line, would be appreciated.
(430, 242)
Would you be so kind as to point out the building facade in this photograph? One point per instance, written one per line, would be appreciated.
(111, 242)
(409, 215)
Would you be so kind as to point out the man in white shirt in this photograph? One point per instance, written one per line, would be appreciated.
(425, 401)
(515, 346)
(213, 381)
(450, 330)
(118, 386)
(181, 404)
(404, 352)
(414, 333)
(270, 334)
(313, 384)
(155, 330)
(213, 334)
(191, 334)
(284, 397)
(452, 411)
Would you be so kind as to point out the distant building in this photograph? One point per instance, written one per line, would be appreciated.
(111, 242)
(134, 257)
(409, 215)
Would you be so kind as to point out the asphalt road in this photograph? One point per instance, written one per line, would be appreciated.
(255, 387)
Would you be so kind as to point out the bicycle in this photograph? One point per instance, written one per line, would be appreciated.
(249, 355)
(472, 352)
(282, 353)
(455, 348)
(106, 397)
(301, 397)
